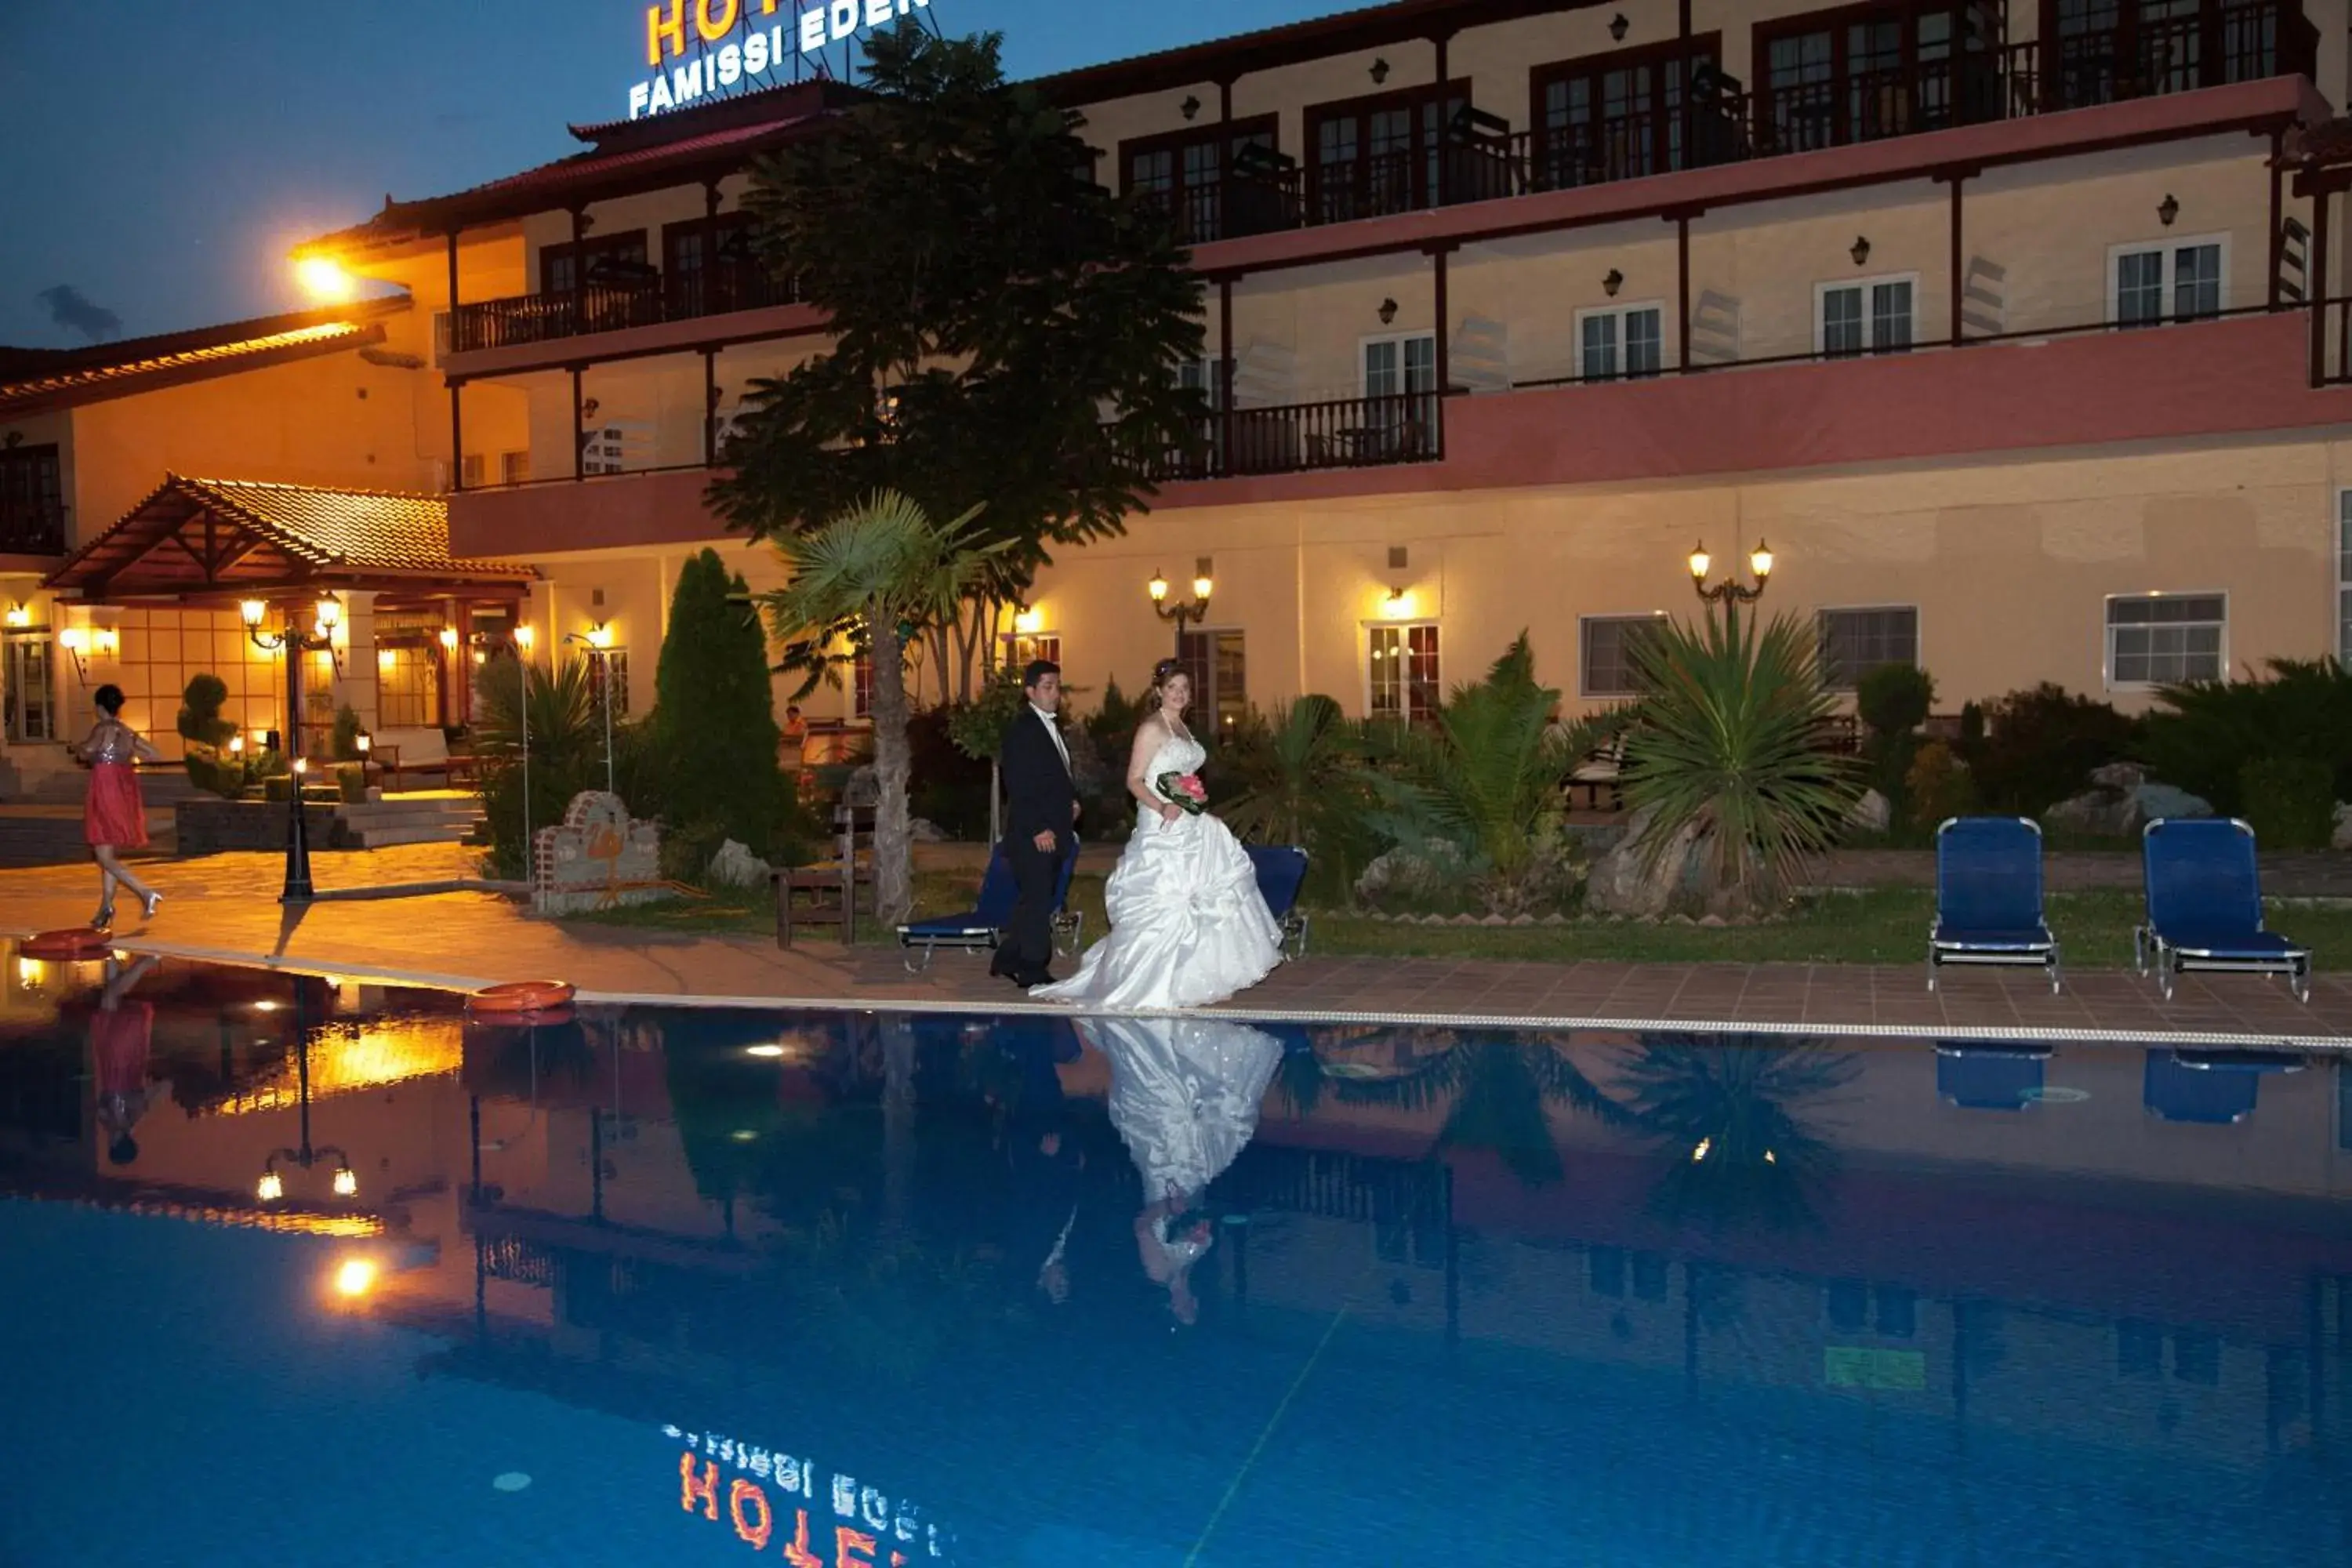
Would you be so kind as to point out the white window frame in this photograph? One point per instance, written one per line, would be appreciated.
(2107, 635)
(1620, 313)
(2115, 253)
(1364, 371)
(1364, 660)
(1822, 291)
(1583, 665)
(2344, 577)
(1918, 635)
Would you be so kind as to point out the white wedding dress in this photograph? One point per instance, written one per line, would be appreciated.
(1188, 926)
(1184, 1094)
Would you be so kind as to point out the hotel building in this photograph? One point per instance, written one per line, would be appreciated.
(2011, 329)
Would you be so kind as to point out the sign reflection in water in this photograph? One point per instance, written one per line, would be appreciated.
(864, 1526)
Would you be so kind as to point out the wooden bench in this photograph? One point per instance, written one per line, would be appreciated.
(421, 750)
(1601, 776)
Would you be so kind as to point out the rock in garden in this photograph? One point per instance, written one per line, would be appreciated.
(736, 866)
(2122, 778)
(2099, 813)
(1872, 813)
(923, 830)
(1625, 881)
(1713, 920)
(2151, 801)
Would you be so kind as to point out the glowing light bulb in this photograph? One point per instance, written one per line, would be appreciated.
(347, 1181)
(250, 612)
(355, 1277)
(448, 636)
(324, 277)
(1759, 561)
(1700, 1153)
(1700, 563)
(1157, 588)
(767, 1050)
(270, 1188)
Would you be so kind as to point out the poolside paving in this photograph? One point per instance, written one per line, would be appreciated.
(222, 908)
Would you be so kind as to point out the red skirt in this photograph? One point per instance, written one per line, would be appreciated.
(121, 1041)
(115, 815)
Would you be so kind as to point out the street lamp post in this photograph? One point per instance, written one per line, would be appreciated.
(327, 615)
(1192, 612)
(271, 1187)
(1731, 592)
(598, 639)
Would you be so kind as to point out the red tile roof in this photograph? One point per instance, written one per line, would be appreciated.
(295, 533)
(33, 381)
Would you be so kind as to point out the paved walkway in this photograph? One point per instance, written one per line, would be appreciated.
(224, 908)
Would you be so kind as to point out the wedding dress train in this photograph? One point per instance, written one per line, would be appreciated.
(1188, 926)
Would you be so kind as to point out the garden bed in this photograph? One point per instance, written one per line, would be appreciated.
(213, 826)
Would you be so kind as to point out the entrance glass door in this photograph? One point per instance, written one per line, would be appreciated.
(28, 687)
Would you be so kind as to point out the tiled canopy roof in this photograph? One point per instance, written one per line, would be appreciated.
(33, 381)
(202, 537)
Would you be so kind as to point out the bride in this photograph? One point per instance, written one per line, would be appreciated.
(1188, 926)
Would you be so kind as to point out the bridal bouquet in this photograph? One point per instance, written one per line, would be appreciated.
(1183, 790)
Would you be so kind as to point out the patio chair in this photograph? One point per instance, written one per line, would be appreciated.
(1989, 897)
(2210, 1088)
(1281, 873)
(2205, 906)
(1976, 1075)
(980, 928)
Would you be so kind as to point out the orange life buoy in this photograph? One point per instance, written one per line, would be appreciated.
(520, 996)
(79, 944)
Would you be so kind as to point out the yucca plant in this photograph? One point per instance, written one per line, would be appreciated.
(1486, 776)
(1730, 1115)
(1731, 754)
(565, 752)
(869, 581)
(1495, 1091)
(1293, 777)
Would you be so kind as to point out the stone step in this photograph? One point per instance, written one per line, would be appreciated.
(365, 817)
(385, 837)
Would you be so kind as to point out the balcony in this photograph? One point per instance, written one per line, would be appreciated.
(616, 305)
(1480, 158)
(32, 526)
(1302, 437)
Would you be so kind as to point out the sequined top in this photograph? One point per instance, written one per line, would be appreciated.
(112, 741)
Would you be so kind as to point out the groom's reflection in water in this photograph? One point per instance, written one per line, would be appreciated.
(1046, 1161)
(1184, 1096)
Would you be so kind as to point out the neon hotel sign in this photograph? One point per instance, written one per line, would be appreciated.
(764, 44)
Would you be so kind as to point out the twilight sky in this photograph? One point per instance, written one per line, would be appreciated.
(165, 154)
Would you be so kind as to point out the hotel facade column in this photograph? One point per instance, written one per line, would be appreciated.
(1441, 347)
(1444, 130)
(1956, 267)
(457, 415)
(358, 686)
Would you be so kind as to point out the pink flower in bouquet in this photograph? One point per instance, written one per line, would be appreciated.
(1191, 784)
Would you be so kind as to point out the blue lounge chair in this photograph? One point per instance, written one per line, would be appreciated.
(982, 927)
(2205, 906)
(1985, 1077)
(2211, 1088)
(1988, 896)
(1281, 873)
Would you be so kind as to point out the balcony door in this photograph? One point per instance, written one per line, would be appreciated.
(1378, 155)
(1186, 173)
(1864, 73)
(28, 686)
(707, 265)
(1399, 385)
(2101, 51)
(1614, 117)
(32, 501)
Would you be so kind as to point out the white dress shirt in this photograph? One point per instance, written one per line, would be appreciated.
(1053, 730)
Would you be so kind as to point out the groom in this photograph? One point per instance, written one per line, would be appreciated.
(1039, 828)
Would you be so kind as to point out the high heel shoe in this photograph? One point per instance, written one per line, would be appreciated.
(104, 919)
(150, 904)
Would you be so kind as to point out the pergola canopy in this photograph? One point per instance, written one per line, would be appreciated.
(211, 540)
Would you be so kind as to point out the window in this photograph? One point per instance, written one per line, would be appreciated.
(1877, 71)
(2162, 639)
(1399, 417)
(1620, 341)
(2152, 284)
(407, 684)
(1220, 688)
(473, 472)
(1855, 642)
(2344, 577)
(1185, 172)
(1402, 667)
(1871, 316)
(612, 260)
(861, 684)
(32, 501)
(28, 686)
(1019, 647)
(1616, 117)
(1398, 365)
(1609, 642)
(608, 668)
(707, 264)
(514, 467)
(1377, 156)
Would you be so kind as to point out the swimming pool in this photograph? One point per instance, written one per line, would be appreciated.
(377, 1285)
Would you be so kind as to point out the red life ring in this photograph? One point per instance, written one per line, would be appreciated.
(518, 996)
(79, 944)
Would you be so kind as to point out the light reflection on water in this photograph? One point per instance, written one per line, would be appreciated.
(1011, 1290)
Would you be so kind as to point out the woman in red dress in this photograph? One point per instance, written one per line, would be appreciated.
(120, 1035)
(115, 819)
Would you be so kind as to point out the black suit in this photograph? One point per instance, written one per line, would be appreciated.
(1042, 799)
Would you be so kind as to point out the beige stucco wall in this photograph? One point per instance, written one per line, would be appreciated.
(2008, 562)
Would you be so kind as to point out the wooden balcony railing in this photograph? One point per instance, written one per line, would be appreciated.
(32, 528)
(1900, 101)
(606, 307)
(2149, 57)
(1299, 438)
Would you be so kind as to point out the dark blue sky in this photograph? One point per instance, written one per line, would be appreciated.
(163, 154)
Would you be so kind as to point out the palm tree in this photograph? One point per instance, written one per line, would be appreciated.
(1495, 1091)
(557, 754)
(1729, 754)
(874, 578)
(1486, 777)
(1725, 1115)
(1293, 778)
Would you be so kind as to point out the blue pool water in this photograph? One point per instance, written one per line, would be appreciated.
(686, 1286)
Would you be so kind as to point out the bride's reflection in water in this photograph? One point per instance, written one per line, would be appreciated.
(1184, 1096)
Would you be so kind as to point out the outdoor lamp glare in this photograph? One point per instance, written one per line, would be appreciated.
(1157, 589)
(1759, 561)
(1201, 587)
(74, 640)
(385, 658)
(302, 766)
(330, 612)
(20, 614)
(347, 1181)
(448, 636)
(364, 742)
(355, 1277)
(1029, 623)
(600, 636)
(324, 277)
(236, 745)
(1700, 563)
(251, 611)
(524, 636)
(270, 1188)
(107, 639)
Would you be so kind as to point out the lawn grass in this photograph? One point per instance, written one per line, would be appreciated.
(1883, 925)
